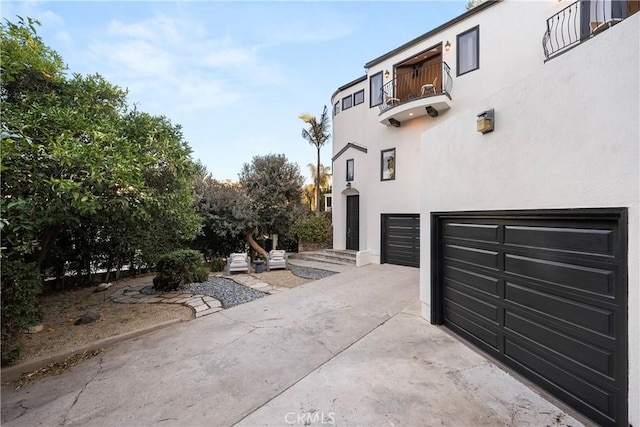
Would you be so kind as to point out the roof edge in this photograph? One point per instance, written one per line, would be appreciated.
(436, 30)
(348, 85)
(346, 147)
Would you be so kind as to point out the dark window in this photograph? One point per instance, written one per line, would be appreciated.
(336, 108)
(347, 102)
(350, 170)
(468, 51)
(358, 97)
(375, 89)
(328, 202)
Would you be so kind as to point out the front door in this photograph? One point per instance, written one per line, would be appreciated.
(353, 222)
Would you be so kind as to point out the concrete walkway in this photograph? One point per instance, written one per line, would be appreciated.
(349, 349)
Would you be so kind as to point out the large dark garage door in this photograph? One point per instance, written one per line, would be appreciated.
(401, 239)
(546, 293)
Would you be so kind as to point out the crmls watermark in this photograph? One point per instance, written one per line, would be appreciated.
(311, 417)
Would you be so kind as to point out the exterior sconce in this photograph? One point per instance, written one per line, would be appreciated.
(348, 185)
(387, 74)
(485, 121)
(447, 46)
(432, 112)
(394, 123)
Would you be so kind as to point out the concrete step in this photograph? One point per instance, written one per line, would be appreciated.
(338, 268)
(328, 256)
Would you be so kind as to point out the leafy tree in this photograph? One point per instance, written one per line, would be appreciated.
(273, 186)
(317, 134)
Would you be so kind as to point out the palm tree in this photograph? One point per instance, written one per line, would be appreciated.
(325, 175)
(317, 134)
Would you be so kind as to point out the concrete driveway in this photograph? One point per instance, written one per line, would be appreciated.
(350, 349)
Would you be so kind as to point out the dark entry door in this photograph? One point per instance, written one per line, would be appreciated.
(546, 293)
(353, 222)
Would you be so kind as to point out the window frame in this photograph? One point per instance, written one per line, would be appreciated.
(392, 151)
(350, 177)
(336, 108)
(360, 92)
(371, 78)
(475, 30)
(350, 99)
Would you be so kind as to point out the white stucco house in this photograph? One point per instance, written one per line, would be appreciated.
(500, 154)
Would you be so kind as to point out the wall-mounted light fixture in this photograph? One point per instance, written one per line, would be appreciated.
(432, 112)
(394, 123)
(348, 185)
(447, 46)
(485, 121)
(387, 74)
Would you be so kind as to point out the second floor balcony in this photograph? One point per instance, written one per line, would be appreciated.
(419, 91)
(582, 20)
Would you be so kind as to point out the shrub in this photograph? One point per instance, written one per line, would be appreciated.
(217, 264)
(178, 267)
(21, 285)
(314, 229)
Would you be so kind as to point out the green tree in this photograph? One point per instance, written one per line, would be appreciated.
(317, 134)
(73, 158)
(274, 188)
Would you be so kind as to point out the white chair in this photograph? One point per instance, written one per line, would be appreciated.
(277, 259)
(390, 101)
(429, 88)
(238, 262)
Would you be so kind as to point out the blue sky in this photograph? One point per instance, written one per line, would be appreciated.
(235, 75)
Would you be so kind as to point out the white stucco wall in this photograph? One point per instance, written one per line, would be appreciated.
(510, 48)
(567, 136)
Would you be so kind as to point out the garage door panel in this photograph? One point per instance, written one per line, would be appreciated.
(545, 292)
(572, 386)
(570, 240)
(480, 307)
(574, 353)
(576, 277)
(476, 281)
(474, 256)
(575, 314)
(401, 239)
(478, 232)
(467, 322)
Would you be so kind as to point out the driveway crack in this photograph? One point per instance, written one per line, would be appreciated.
(84, 387)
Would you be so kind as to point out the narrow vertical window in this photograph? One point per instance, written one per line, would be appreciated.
(468, 51)
(375, 89)
(336, 108)
(349, 170)
(358, 97)
(347, 102)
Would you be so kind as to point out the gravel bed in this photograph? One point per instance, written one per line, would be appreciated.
(150, 290)
(310, 273)
(228, 292)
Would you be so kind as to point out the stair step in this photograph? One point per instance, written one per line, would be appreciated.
(323, 260)
(330, 256)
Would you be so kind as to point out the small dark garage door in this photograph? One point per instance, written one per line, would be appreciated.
(401, 239)
(545, 292)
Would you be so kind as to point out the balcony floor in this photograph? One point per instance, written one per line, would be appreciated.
(415, 108)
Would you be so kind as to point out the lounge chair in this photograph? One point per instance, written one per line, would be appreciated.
(238, 262)
(277, 259)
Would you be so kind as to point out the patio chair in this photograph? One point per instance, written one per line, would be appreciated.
(238, 262)
(277, 259)
(429, 88)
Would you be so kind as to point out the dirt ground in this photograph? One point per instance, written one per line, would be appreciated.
(62, 309)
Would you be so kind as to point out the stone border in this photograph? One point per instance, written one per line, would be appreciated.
(201, 305)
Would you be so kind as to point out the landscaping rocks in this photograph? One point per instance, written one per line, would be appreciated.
(310, 273)
(89, 317)
(228, 292)
(103, 287)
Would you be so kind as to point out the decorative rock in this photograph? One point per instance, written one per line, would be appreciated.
(103, 287)
(89, 317)
(35, 329)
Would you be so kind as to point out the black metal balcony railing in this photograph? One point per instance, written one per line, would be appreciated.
(425, 81)
(579, 21)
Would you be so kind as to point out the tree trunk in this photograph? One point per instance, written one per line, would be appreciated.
(48, 238)
(248, 236)
(318, 185)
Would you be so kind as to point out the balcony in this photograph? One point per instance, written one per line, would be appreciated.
(416, 92)
(581, 21)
